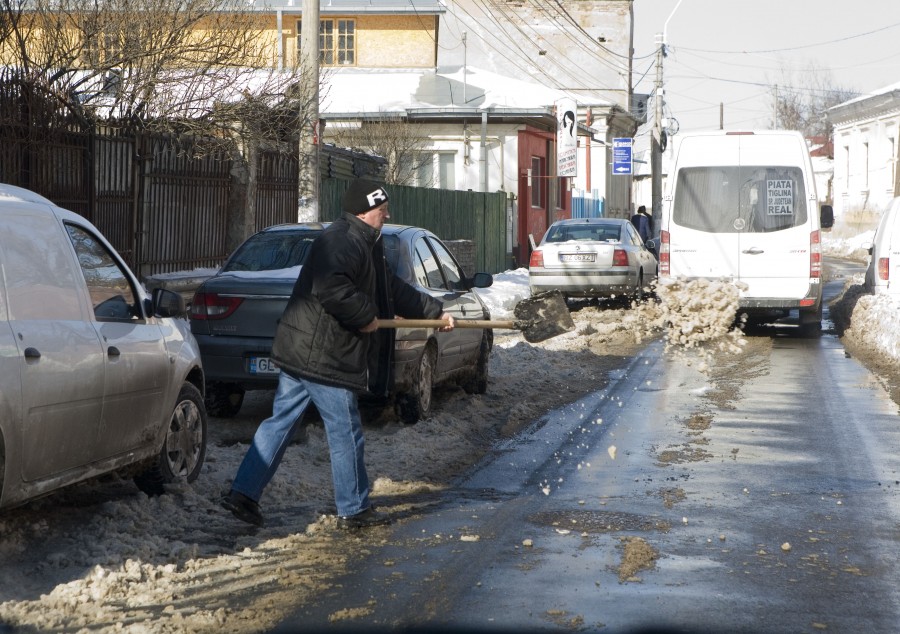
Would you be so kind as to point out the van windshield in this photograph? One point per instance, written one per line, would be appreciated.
(733, 199)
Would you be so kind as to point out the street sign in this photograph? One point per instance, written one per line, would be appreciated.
(622, 156)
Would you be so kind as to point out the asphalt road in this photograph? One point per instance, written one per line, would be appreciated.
(761, 498)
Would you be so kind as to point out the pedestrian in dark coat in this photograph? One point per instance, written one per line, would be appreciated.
(326, 345)
(642, 222)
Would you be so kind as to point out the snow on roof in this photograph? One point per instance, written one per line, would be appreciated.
(351, 90)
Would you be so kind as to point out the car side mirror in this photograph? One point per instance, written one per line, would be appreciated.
(167, 303)
(650, 244)
(482, 280)
(827, 216)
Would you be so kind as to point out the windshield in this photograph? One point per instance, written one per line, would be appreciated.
(725, 199)
(594, 231)
(271, 251)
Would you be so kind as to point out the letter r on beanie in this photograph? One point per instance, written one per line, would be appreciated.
(377, 197)
(363, 196)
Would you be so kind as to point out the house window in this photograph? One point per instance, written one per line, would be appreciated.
(865, 166)
(447, 170)
(537, 181)
(892, 161)
(337, 41)
(436, 170)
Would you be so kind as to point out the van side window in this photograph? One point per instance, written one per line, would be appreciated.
(729, 199)
(40, 286)
(112, 297)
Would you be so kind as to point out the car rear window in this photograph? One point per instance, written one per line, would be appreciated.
(272, 251)
(593, 232)
(731, 199)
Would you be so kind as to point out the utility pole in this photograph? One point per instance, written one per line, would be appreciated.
(658, 138)
(308, 190)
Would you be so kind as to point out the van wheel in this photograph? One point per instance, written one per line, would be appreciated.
(811, 321)
(224, 400)
(416, 403)
(184, 446)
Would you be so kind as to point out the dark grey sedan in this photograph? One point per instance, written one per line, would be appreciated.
(234, 316)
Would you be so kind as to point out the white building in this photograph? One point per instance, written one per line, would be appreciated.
(866, 134)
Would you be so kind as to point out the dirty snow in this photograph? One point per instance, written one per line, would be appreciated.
(104, 557)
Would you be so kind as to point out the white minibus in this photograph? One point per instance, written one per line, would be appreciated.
(742, 206)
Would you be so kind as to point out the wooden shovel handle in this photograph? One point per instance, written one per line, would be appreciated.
(440, 323)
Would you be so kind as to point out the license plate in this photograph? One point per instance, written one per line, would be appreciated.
(263, 365)
(577, 257)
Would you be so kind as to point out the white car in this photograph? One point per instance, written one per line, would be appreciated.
(95, 375)
(883, 274)
(592, 257)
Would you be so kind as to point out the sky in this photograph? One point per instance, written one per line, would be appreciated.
(726, 52)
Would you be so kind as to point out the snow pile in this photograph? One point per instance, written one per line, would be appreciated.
(697, 318)
(875, 324)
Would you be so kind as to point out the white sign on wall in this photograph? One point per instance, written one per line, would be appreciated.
(566, 137)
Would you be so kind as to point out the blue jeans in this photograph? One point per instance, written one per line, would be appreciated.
(343, 428)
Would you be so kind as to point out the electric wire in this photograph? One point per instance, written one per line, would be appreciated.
(552, 59)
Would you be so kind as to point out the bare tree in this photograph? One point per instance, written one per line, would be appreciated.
(389, 136)
(176, 65)
(803, 98)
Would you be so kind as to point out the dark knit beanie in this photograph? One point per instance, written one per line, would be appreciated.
(363, 196)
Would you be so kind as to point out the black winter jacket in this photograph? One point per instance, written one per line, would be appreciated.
(344, 285)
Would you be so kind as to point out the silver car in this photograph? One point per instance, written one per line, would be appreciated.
(592, 257)
(234, 315)
(95, 376)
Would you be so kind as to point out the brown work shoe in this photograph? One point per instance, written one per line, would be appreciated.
(364, 519)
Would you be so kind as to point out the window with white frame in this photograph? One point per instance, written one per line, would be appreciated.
(337, 41)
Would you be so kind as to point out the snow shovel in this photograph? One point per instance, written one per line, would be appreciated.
(540, 317)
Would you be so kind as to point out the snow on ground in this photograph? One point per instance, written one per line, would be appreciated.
(104, 557)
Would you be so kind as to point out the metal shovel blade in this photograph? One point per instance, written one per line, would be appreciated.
(543, 316)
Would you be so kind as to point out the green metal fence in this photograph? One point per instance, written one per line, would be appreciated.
(451, 215)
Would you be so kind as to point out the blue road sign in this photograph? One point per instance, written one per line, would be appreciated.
(622, 156)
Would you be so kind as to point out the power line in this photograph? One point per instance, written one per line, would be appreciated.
(796, 48)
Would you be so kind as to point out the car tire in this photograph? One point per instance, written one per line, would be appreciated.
(224, 400)
(184, 447)
(416, 404)
(639, 294)
(478, 383)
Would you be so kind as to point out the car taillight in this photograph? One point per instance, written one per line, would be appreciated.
(620, 258)
(815, 255)
(213, 305)
(884, 270)
(537, 258)
(664, 250)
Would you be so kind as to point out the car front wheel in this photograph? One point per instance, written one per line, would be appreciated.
(416, 403)
(478, 383)
(184, 446)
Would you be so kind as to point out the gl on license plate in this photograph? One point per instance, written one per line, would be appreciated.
(263, 365)
(577, 257)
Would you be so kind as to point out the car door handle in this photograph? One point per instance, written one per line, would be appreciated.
(113, 351)
(32, 353)
(753, 251)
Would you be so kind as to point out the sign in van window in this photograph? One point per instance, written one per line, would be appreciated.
(779, 197)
